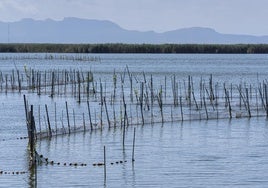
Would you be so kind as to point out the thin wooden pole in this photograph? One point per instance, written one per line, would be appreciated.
(133, 145)
(141, 103)
(74, 120)
(25, 108)
(247, 97)
(39, 118)
(124, 131)
(52, 84)
(107, 115)
(79, 87)
(104, 156)
(84, 122)
(89, 114)
(181, 109)
(48, 122)
(205, 107)
(69, 129)
(56, 127)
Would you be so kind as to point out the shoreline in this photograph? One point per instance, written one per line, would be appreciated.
(135, 48)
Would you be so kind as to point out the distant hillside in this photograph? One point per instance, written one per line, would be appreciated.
(75, 30)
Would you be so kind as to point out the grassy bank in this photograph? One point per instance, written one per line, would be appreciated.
(135, 48)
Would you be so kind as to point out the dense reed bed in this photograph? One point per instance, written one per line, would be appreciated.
(135, 48)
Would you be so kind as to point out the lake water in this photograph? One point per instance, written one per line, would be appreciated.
(214, 153)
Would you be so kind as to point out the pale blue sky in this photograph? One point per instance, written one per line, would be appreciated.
(225, 16)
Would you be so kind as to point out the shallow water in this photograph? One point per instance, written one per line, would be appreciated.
(214, 153)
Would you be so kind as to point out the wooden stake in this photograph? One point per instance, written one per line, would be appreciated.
(68, 120)
(133, 145)
(107, 115)
(84, 123)
(181, 109)
(89, 114)
(104, 157)
(48, 122)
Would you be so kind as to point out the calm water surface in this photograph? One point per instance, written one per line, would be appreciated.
(214, 153)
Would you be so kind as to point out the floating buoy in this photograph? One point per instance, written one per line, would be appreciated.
(238, 115)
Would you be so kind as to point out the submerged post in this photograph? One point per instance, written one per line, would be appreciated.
(69, 129)
(32, 134)
(104, 156)
(181, 108)
(107, 114)
(229, 103)
(133, 145)
(89, 114)
(26, 108)
(48, 122)
(124, 132)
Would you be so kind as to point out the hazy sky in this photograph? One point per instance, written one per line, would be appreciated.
(225, 16)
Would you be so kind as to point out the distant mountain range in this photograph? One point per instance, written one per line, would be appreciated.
(76, 30)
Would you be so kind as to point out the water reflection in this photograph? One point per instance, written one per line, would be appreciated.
(32, 170)
(33, 177)
(178, 152)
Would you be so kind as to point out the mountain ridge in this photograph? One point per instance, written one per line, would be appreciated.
(77, 30)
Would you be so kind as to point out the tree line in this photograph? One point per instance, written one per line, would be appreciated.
(135, 48)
